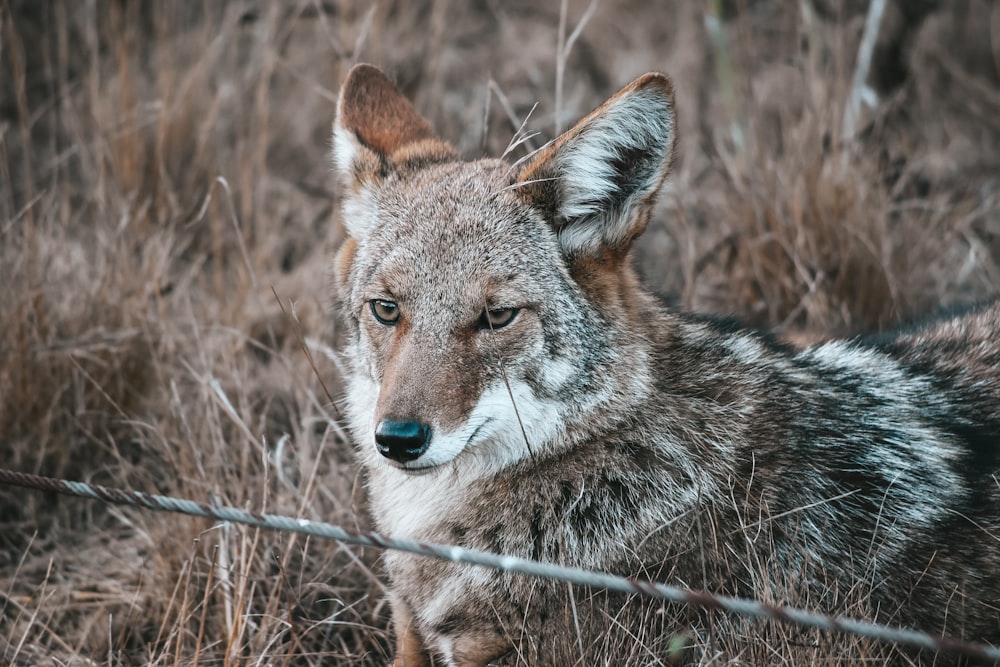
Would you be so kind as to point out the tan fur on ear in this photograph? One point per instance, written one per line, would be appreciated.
(377, 132)
(385, 121)
(421, 153)
(374, 109)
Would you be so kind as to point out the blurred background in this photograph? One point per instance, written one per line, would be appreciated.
(167, 217)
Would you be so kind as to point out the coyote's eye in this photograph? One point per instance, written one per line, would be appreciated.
(386, 312)
(497, 318)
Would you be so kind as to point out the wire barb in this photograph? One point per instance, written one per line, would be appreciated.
(580, 577)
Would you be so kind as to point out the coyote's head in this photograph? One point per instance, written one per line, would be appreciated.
(489, 303)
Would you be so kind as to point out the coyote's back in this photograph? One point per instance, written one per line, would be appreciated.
(513, 388)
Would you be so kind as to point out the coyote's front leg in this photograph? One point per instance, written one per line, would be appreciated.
(410, 650)
(470, 648)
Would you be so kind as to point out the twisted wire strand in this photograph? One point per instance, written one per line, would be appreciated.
(599, 580)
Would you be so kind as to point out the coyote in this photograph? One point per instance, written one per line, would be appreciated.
(512, 387)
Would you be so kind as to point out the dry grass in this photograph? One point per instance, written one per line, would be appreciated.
(164, 165)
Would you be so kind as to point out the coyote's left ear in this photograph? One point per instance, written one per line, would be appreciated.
(597, 182)
(376, 132)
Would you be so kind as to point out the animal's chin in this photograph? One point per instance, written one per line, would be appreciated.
(417, 471)
(416, 468)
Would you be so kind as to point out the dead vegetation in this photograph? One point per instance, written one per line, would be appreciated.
(167, 212)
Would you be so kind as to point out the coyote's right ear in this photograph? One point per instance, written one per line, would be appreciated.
(597, 182)
(377, 131)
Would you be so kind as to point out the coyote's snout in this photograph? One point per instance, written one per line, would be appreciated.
(513, 388)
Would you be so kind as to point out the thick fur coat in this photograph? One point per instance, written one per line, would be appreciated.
(514, 388)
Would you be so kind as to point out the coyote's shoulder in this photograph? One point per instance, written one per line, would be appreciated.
(513, 388)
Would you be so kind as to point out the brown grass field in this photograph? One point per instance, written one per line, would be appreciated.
(167, 215)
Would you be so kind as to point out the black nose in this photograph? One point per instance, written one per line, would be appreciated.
(402, 441)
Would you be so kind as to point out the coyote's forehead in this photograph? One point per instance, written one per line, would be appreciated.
(452, 233)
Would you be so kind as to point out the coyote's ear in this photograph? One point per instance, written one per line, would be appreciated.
(597, 182)
(377, 131)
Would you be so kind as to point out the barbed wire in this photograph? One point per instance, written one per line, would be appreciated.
(598, 580)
